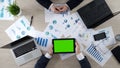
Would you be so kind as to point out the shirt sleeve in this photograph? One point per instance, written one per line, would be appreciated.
(67, 6)
(47, 55)
(50, 6)
(73, 3)
(45, 3)
(80, 56)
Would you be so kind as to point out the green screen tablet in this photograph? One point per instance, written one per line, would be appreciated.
(66, 45)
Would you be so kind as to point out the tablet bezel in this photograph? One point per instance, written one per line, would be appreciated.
(64, 39)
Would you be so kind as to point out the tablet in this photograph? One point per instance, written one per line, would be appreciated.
(66, 45)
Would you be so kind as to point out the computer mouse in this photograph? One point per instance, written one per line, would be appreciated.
(117, 37)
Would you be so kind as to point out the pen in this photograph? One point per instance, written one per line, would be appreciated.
(31, 20)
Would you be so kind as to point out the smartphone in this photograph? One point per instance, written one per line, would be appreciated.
(99, 36)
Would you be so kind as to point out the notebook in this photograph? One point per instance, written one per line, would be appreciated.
(95, 13)
(24, 50)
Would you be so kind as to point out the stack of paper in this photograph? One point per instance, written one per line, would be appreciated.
(64, 25)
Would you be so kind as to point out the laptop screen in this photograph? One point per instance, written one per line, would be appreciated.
(24, 48)
(17, 42)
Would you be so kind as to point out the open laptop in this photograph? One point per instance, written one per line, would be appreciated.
(95, 13)
(24, 50)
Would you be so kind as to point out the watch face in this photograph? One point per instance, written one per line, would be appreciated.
(117, 37)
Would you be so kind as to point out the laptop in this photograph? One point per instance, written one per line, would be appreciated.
(24, 50)
(95, 13)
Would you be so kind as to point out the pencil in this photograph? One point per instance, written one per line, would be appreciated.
(31, 20)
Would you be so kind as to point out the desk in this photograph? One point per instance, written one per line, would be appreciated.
(31, 7)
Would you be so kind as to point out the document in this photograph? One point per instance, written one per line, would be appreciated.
(110, 38)
(64, 25)
(84, 37)
(56, 25)
(98, 53)
(43, 41)
(77, 23)
(49, 15)
(4, 14)
(19, 29)
(52, 30)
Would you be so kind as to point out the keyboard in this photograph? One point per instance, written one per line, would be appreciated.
(25, 48)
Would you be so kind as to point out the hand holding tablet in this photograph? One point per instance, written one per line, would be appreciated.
(77, 48)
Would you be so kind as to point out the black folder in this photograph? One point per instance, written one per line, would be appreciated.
(116, 53)
(95, 13)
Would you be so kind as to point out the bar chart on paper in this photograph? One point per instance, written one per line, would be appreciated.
(4, 14)
(96, 55)
(42, 41)
(92, 51)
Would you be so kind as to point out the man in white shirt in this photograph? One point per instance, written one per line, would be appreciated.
(43, 61)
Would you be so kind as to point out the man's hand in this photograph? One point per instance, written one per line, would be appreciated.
(54, 9)
(77, 49)
(58, 9)
(63, 8)
(50, 50)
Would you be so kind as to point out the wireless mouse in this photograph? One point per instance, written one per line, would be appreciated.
(117, 37)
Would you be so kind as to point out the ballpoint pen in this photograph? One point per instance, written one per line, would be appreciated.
(31, 20)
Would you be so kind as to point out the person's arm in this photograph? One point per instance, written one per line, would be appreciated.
(45, 3)
(43, 61)
(83, 61)
(81, 58)
(73, 3)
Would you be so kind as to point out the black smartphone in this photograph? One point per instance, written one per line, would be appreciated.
(99, 36)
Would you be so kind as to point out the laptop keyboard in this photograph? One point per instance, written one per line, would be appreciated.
(24, 49)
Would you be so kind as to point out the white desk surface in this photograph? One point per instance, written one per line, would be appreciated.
(31, 7)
